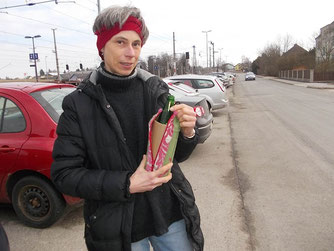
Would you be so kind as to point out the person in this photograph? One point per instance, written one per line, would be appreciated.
(99, 154)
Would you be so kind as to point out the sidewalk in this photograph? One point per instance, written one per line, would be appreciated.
(302, 84)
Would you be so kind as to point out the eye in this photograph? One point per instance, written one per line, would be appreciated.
(137, 44)
(120, 42)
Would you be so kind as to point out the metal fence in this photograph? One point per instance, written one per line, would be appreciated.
(324, 76)
(299, 75)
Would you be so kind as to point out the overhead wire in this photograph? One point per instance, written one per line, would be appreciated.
(52, 25)
(62, 13)
(46, 40)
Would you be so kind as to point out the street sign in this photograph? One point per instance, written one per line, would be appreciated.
(32, 65)
(33, 56)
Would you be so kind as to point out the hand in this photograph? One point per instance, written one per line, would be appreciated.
(143, 181)
(187, 118)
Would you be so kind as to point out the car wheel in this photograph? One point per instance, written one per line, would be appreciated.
(36, 202)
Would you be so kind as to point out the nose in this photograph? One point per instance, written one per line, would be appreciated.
(130, 52)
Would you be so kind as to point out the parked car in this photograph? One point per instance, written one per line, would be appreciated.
(188, 95)
(210, 87)
(29, 113)
(250, 76)
(231, 76)
(226, 80)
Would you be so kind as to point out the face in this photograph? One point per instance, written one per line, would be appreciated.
(121, 53)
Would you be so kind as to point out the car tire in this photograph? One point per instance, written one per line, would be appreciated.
(36, 202)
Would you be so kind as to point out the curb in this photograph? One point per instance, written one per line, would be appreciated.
(321, 87)
(307, 86)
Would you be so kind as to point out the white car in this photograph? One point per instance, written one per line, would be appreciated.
(210, 87)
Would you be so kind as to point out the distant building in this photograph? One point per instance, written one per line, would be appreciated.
(325, 44)
(238, 67)
(296, 58)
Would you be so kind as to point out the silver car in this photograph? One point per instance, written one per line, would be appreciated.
(250, 76)
(210, 87)
(187, 95)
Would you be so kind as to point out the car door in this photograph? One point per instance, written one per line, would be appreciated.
(14, 131)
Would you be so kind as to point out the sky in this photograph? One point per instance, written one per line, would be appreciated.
(239, 29)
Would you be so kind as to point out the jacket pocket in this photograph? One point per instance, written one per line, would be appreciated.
(106, 222)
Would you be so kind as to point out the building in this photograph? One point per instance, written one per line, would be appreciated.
(325, 44)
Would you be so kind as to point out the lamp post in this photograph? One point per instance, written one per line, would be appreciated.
(46, 68)
(33, 49)
(207, 52)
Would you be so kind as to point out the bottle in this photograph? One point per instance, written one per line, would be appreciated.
(166, 113)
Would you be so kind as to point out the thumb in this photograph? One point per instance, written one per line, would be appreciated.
(143, 162)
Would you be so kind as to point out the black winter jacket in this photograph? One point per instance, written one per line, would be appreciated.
(92, 161)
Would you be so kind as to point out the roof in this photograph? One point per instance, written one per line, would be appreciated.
(192, 76)
(296, 49)
(30, 87)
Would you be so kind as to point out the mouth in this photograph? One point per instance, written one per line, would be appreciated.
(126, 65)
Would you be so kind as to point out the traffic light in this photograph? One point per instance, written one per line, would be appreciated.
(67, 68)
(81, 66)
(187, 55)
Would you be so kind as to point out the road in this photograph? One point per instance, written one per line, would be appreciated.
(262, 181)
(283, 141)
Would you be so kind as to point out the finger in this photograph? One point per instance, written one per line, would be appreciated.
(186, 117)
(143, 161)
(176, 107)
(163, 169)
(187, 124)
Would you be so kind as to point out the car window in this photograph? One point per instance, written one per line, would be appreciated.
(12, 119)
(2, 104)
(203, 83)
(51, 100)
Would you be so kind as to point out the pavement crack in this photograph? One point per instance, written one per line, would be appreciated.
(246, 214)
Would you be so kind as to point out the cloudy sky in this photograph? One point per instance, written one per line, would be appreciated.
(238, 28)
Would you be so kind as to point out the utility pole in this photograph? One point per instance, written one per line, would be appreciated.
(34, 57)
(213, 54)
(210, 56)
(220, 56)
(98, 7)
(57, 64)
(194, 58)
(207, 54)
(46, 68)
(174, 55)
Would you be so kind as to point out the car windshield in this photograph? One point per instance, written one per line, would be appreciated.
(51, 100)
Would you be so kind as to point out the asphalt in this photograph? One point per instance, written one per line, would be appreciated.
(314, 85)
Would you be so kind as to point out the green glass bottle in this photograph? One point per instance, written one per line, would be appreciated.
(166, 113)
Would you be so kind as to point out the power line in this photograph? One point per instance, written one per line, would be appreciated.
(27, 4)
(62, 13)
(46, 40)
(31, 19)
(86, 7)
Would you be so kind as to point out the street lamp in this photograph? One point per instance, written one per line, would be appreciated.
(46, 67)
(207, 53)
(33, 48)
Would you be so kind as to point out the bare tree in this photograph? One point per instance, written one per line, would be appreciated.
(285, 43)
(325, 51)
(246, 64)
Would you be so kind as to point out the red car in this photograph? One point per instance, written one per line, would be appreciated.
(29, 113)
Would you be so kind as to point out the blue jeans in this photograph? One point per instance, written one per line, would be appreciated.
(174, 240)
